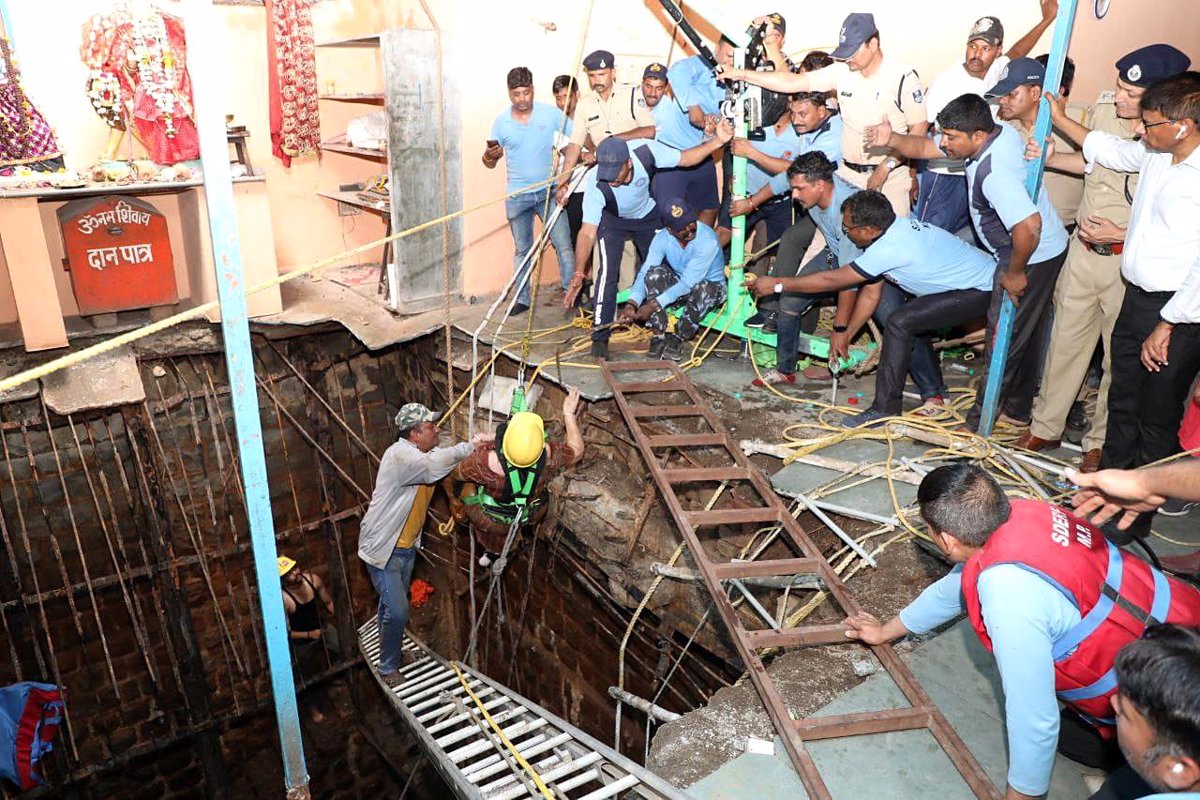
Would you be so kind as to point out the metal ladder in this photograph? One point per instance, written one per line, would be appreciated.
(922, 713)
(465, 749)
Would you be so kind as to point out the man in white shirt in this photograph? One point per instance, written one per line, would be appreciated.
(942, 200)
(1156, 340)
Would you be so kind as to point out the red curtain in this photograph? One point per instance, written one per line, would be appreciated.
(292, 71)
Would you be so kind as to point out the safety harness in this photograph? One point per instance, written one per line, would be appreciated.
(517, 499)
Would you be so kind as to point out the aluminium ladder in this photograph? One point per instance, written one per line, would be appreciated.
(465, 750)
(922, 713)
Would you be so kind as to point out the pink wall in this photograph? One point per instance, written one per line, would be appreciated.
(482, 44)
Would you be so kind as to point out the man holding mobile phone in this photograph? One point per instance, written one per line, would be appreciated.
(526, 134)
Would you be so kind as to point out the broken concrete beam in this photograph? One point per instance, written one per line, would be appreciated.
(109, 379)
(754, 446)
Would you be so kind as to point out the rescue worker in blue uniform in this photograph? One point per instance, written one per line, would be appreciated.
(685, 265)
(617, 206)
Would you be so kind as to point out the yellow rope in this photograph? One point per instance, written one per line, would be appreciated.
(520, 759)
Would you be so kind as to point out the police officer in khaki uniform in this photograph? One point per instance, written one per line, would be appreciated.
(869, 89)
(1090, 291)
(609, 109)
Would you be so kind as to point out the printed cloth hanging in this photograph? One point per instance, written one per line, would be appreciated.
(139, 79)
(30, 714)
(292, 75)
(25, 136)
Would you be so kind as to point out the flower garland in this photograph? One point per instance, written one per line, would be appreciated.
(150, 55)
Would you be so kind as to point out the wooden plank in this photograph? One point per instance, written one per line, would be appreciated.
(731, 516)
(666, 411)
(765, 569)
(864, 723)
(686, 440)
(649, 386)
(693, 475)
(31, 274)
(798, 637)
(637, 366)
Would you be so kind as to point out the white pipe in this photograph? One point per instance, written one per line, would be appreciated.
(779, 582)
(855, 513)
(845, 537)
(658, 712)
(753, 601)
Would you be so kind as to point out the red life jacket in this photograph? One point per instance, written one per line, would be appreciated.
(1118, 595)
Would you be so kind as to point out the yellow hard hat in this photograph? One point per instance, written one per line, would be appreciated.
(285, 565)
(524, 439)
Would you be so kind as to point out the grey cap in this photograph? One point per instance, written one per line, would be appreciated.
(989, 29)
(413, 414)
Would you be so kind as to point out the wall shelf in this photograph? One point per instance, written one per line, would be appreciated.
(364, 97)
(345, 149)
(357, 41)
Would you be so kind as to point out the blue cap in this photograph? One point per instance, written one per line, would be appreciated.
(677, 214)
(610, 156)
(655, 70)
(1152, 63)
(855, 31)
(599, 59)
(1019, 72)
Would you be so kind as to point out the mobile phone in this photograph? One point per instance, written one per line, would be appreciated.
(493, 142)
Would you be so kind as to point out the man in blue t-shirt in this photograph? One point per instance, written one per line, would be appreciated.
(618, 206)
(683, 119)
(525, 134)
(1027, 238)
(945, 280)
(685, 264)
(807, 125)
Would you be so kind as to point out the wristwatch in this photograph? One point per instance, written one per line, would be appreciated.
(778, 287)
(840, 328)
(891, 164)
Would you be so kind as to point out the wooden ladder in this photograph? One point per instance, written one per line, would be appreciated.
(922, 712)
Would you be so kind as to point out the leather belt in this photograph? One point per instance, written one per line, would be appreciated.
(861, 167)
(1114, 249)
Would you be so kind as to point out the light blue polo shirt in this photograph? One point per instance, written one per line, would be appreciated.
(672, 125)
(998, 199)
(701, 260)
(694, 84)
(829, 220)
(785, 144)
(923, 260)
(528, 147)
(826, 139)
(634, 200)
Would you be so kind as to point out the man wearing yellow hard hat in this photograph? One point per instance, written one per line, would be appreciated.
(506, 479)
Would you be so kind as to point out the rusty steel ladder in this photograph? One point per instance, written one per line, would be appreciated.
(921, 714)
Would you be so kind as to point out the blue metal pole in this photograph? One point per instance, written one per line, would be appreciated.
(1033, 184)
(235, 330)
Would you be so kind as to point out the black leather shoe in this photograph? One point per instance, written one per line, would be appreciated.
(673, 351)
(654, 353)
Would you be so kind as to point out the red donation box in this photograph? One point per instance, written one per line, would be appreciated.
(118, 253)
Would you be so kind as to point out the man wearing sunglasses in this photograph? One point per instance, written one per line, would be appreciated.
(1156, 340)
